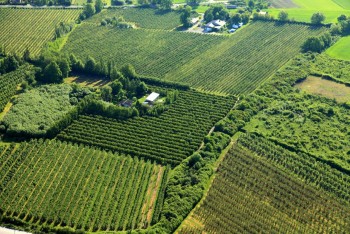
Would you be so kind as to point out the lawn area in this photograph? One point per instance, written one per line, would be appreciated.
(341, 49)
(305, 9)
(326, 88)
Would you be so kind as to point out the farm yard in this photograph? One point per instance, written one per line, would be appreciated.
(23, 29)
(122, 119)
(217, 64)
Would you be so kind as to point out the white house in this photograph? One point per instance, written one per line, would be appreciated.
(214, 25)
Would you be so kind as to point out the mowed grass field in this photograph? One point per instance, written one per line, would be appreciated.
(326, 88)
(341, 49)
(31, 28)
(302, 10)
(218, 64)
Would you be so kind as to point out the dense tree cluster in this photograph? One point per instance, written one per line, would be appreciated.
(317, 44)
(216, 12)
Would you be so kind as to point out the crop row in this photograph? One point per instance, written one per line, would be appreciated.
(23, 29)
(251, 195)
(169, 138)
(151, 52)
(228, 65)
(56, 183)
(142, 17)
(302, 165)
(245, 60)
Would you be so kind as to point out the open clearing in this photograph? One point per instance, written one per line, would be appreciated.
(341, 49)
(326, 88)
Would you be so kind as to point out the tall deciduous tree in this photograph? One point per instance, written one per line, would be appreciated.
(52, 73)
(185, 17)
(90, 65)
(317, 18)
(283, 16)
(98, 6)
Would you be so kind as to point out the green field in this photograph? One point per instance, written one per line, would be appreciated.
(305, 9)
(226, 65)
(343, 3)
(23, 29)
(59, 184)
(341, 49)
(251, 195)
(169, 138)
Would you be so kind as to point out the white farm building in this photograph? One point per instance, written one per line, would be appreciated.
(152, 97)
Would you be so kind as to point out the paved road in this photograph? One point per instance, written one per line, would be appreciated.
(11, 231)
(41, 7)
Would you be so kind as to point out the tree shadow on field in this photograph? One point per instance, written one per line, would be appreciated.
(161, 12)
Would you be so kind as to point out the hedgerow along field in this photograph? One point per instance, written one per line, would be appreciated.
(169, 138)
(251, 193)
(227, 65)
(54, 183)
(142, 17)
(23, 29)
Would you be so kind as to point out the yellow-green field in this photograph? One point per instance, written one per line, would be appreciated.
(341, 49)
(325, 88)
(331, 9)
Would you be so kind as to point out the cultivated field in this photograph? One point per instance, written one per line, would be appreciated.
(59, 184)
(142, 17)
(169, 138)
(8, 84)
(252, 194)
(23, 29)
(341, 49)
(226, 65)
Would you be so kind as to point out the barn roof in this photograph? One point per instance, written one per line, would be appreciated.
(152, 97)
